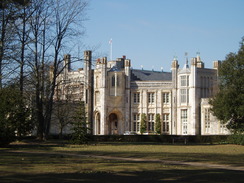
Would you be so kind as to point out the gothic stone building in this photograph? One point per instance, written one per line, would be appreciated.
(116, 96)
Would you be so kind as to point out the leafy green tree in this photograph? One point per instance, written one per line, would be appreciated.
(143, 123)
(158, 124)
(228, 104)
(14, 115)
(80, 125)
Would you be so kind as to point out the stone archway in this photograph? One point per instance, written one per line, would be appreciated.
(113, 124)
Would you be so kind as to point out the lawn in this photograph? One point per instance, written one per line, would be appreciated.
(49, 162)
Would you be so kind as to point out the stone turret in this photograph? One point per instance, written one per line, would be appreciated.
(216, 64)
(174, 69)
(127, 94)
(200, 63)
(66, 65)
(88, 86)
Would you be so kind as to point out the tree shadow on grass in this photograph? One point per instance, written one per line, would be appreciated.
(231, 159)
(180, 175)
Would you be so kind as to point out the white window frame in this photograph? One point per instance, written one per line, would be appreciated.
(166, 123)
(136, 96)
(184, 122)
(151, 122)
(165, 97)
(207, 120)
(136, 122)
(150, 96)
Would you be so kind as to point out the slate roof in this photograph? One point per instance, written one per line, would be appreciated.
(144, 75)
(114, 68)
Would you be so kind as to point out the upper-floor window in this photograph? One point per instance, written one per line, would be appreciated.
(97, 82)
(184, 96)
(150, 97)
(184, 80)
(166, 98)
(136, 97)
(115, 81)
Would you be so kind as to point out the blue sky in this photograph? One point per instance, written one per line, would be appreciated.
(152, 32)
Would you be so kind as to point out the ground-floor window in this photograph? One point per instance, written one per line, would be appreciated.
(222, 128)
(98, 123)
(184, 121)
(136, 122)
(207, 120)
(165, 123)
(151, 123)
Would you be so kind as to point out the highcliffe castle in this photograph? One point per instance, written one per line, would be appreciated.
(116, 96)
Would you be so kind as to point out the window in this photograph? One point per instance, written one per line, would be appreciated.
(97, 98)
(184, 121)
(184, 96)
(165, 98)
(136, 122)
(136, 97)
(150, 98)
(165, 123)
(207, 120)
(151, 122)
(222, 128)
(184, 81)
(117, 80)
(113, 81)
(97, 82)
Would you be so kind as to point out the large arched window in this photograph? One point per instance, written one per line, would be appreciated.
(113, 81)
(97, 82)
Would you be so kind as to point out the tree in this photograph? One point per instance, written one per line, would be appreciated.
(15, 119)
(10, 14)
(53, 25)
(80, 125)
(67, 15)
(63, 114)
(36, 34)
(143, 123)
(158, 124)
(228, 104)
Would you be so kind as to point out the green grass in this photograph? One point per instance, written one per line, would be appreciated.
(224, 154)
(50, 167)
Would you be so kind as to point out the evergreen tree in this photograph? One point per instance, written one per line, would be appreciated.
(15, 118)
(80, 126)
(143, 123)
(228, 104)
(158, 124)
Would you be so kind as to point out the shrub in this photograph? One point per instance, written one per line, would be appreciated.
(6, 136)
(80, 133)
(236, 138)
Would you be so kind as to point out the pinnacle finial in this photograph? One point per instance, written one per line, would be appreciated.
(175, 57)
(186, 55)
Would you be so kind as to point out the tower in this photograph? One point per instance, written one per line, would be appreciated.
(67, 65)
(127, 95)
(174, 69)
(88, 86)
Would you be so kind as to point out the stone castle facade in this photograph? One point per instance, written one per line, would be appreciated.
(116, 96)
